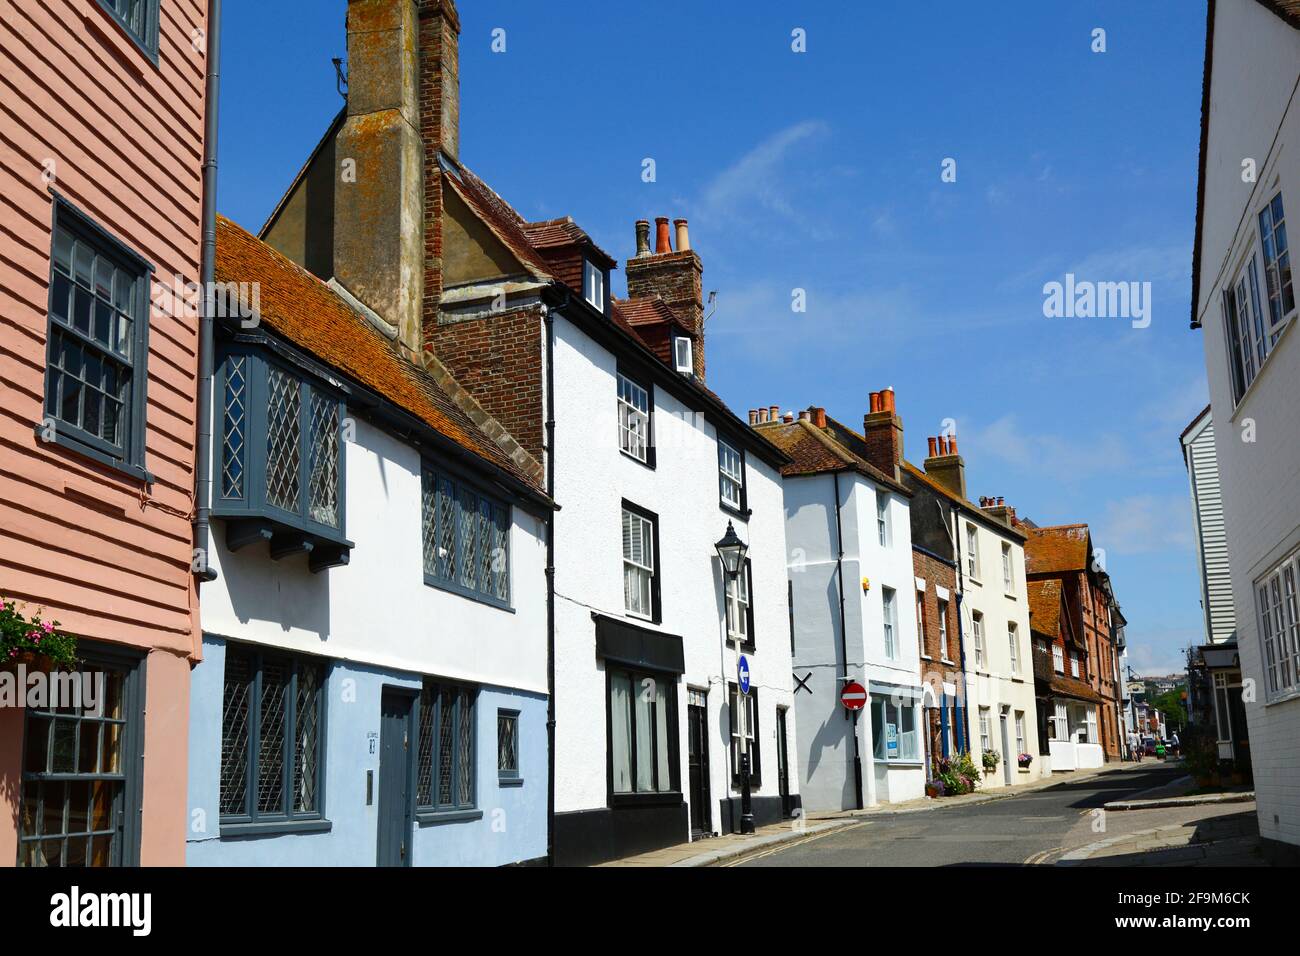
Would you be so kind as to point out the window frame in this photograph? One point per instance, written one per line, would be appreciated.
(742, 508)
(977, 639)
(509, 776)
(430, 468)
(636, 675)
(1021, 740)
(920, 624)
(1008, 571)
(129, 455)
(972, 552)
(622, 375)
(942, 611)
(883, 529)
(889, 622)
(688, 368)
(1275, 324)
(751, 734)
(253, 821)
(1277, 610)
(590, 273)
(656, 608)
(1058, 658)
(880, 743)
(434, 812)
(986, 729)
(147, 39)
(1013, 646)
(747, 641)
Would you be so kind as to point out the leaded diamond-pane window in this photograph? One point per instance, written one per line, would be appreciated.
(272, 737)
(94, 377)
(466, 539)
(445, 775)
(283, 439)
(507, 744)
(235, 427)
(323, 459)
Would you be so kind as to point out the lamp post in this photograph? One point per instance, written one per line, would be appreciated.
(731, 554)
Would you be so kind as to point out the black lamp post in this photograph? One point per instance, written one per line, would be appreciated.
(731, 553)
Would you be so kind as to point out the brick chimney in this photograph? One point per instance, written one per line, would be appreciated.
(439, 46)
(378, 249)
(947, 467)
(883, 430)
(676, 276)
(998, 508)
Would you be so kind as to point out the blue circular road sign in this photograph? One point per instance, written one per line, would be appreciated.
(742, 674)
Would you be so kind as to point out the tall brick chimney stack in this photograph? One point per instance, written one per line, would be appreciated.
(676, 276)
(439, 95)
(378, 249)
(947, 467)
(883, 430)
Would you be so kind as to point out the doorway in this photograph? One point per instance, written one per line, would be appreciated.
(783, 765)
(1006, 745)
(697, 733)
(396, 732)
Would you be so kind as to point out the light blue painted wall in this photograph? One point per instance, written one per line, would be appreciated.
(512, 828)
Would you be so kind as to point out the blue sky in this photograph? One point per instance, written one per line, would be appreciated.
(820, 171)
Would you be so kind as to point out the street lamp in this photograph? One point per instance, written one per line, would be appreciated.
(731, 554)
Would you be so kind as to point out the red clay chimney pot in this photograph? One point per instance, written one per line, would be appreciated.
(662, 242)
(934, 446)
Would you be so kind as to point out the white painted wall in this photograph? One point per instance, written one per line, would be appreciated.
(592, 479)
(377, 610)
(1256, 57)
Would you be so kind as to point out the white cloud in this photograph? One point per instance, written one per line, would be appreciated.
(758, 181)
(1146, 523)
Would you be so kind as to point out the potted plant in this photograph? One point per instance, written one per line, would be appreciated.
(1024, 760)
(990, 759)
(33, 641)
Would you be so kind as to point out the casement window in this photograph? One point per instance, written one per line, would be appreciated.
(1279, 627)
(986, 735)
(1248, 341)
(977, 636)
(1058, 659)
(1225, 684)
(890, 614)
(508, 746)
(642, 732)
(882, 518)
(444, 780)
(943, 629)
(750, 703)
(684, 355)
(740, 609)
(920, 622)
(731, 476)
(894, 723)
(97, 343)
(1060, 726)
(81, 769)
(1020, 733)
(1013, 645)
(280, 459)
(1277, 263)
(1090, 725)
(139, 19)
(1008, 576)
(466, 539)
(1074, 664)
(640, 563)
(272, 738)
(593, 285)
(634, 420)
(972, 552)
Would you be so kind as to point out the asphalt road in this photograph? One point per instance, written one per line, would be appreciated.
(1034, 827)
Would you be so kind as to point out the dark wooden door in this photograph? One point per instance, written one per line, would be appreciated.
(395, 750)
(697, 717)
(783, 764)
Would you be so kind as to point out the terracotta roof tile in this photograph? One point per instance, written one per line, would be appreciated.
(297, 305)
(1057, 549)
(1073, 687)
(815, 452)
(558, 233)
(1045, 607)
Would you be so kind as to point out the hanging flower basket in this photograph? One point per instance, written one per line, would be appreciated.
(990, 760)
(1025, 760)
(35, 643)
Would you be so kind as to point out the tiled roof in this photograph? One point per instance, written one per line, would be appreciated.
(1045, 606)
(648, 310)
(298, 306)
(814, 452)
(557, 233)
(941, 489)
(1073, 687)
(1056, 549)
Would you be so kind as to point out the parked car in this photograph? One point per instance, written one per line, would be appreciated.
(1149, 746)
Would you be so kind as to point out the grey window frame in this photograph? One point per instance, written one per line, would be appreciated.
(429, 511)
(509, 776)
(253, 822)
(433, 810)
(147, 38)
(128, 455)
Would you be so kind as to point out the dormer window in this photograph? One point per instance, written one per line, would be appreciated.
(683, 355)
(593, 285)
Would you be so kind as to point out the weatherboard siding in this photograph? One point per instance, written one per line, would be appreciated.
(85, 114)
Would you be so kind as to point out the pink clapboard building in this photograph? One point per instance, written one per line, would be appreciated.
(102, 110)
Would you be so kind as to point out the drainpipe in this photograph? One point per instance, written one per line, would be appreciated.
(548, 314)
(207, 269)
(844, 645)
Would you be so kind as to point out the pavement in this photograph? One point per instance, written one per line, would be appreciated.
(1180, 793)
(1228, 840)
(733, 848)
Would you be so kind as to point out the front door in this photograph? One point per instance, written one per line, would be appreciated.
(783, 764)
(1006, 749)
(697, 719)
(395, 732)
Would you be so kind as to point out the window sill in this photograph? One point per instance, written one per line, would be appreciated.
(944, 660)
(466, 593)
(971, 579)
(647, 462)
(1284, 697)
(433, 817)
(927, 657)
(122, 468)
(899, 762)
(510, 781)
(1010, 595)
(747, 647)
(742, 513)
(274, 828)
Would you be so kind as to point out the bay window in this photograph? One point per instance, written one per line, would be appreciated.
(894, 723)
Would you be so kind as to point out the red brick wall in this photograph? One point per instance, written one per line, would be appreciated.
(933, 671)
(677, 278)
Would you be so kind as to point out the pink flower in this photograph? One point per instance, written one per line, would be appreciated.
(36, 639)
(48, 627)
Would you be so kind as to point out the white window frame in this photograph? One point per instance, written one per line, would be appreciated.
(1074, 665)
(1273, 207)
(909, 741)
(1277, 603)
(738, 599)
(986, 734)
(593, 285)
(640, 569)
(731, 476)
(1013, 645)
(882, 517)
(1058, 658)
(1020, 733)
(889, 611)
(943, 629)
(633, 421)
(977, 636)
(684, 355)
(920, 623)
(972, 551)
(1008, 575)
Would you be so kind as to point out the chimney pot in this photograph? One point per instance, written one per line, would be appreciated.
(775, 412)
(934, 446)
(952, 444)
(753, 416)
(788, 417)
(887, 400)
(642, 237)
(1001, 501)
(819, 417)
(804, 415)
(683, 235)
(874, 404)
(662, 243)
(762, 414)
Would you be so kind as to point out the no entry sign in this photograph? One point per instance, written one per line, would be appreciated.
(853, 696)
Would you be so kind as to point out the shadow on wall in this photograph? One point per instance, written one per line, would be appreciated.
(284, 593)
